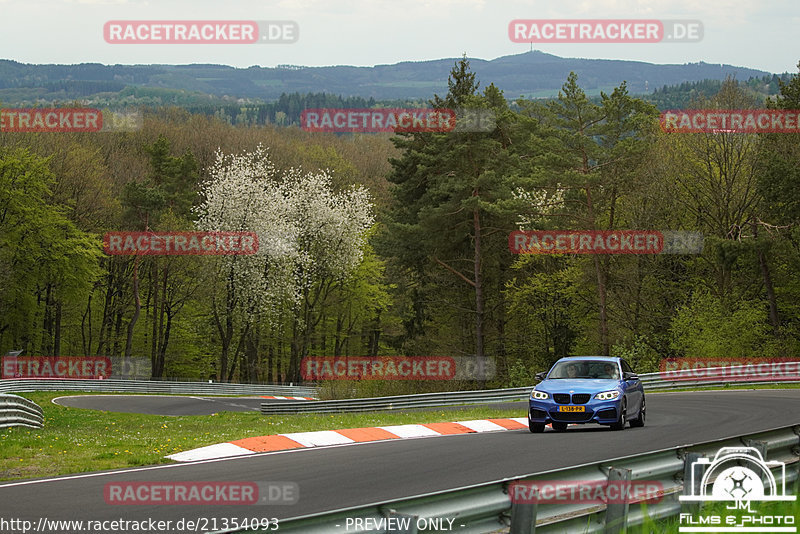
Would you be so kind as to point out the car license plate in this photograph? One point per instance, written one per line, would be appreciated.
(571, 408)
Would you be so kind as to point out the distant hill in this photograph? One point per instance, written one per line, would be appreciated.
(531, 74)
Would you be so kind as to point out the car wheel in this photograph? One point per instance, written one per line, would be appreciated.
(620, 424)
(639, 421)
(560, 426)
(536, 428)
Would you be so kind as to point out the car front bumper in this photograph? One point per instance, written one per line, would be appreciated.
(601, 412)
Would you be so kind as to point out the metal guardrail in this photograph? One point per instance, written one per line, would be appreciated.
(420, 400)
(683, 384)
(487, 507)
(651, 382)
(18, 411)
(152, 386)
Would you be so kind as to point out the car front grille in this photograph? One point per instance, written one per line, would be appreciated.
(577, 398)
(571, 416)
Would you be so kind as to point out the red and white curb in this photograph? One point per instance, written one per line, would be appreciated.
(286, 398)
(321, 438)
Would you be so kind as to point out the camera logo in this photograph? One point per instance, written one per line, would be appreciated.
(738, 474)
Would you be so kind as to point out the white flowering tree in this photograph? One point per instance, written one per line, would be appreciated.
(309, 238)
(537, 205)
(331, 234)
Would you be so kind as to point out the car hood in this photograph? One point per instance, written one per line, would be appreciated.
(581, 385)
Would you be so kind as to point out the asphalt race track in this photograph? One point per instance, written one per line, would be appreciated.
(352, 475)
(164, 404)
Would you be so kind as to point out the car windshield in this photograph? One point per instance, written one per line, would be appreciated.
(585, 369)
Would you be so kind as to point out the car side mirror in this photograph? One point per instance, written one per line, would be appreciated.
(630, 376)
(540, 376)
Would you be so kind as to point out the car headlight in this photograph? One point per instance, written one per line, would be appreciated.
(539, 395)
(607, 395)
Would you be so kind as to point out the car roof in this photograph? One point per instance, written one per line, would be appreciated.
(611, 359)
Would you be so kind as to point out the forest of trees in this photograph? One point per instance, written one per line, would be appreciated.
(682, 95)
(398, 245)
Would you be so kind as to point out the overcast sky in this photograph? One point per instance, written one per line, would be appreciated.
(762, 34)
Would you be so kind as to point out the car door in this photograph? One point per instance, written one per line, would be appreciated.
(634, 387)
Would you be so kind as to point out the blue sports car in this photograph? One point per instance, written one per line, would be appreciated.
(587, 389)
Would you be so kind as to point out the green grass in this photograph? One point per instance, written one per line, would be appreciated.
(75, 440)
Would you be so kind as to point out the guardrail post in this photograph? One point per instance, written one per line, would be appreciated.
(692, 485)
(523, 515)
(761, 447)
(617, 512)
